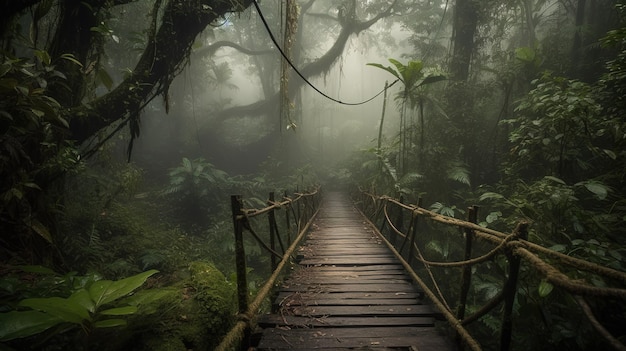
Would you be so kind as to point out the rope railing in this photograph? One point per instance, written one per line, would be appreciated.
(299, 214)
(514, 246)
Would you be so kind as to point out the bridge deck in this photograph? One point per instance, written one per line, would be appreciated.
(350, 292)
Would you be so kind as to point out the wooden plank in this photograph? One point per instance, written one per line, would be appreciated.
(350, 338)
(349, 296)
(273, 320)
(394, 288)
(395, 310)
(347, 278)
(343, 302)
(370, 274)
(341, 281)
(346, 261)
(361, 268)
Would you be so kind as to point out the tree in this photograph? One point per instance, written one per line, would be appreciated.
(413, 77)
(46, 100)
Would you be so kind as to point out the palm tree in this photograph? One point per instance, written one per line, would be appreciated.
(414, 78)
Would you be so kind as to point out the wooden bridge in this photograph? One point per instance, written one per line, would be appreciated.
(353, 288)
(349, 292)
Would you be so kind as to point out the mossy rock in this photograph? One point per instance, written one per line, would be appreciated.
(193, 314)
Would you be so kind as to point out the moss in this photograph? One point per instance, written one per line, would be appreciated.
(193, 314)
(214, 297)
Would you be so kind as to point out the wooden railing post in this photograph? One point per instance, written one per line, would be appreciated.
(288, 223)
(414, 232)
(399, 223)
(272, 224)
(240, 254)
(510, 289)
(466, 275)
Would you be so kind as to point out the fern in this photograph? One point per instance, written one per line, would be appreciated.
(458, 172)
(152, 258)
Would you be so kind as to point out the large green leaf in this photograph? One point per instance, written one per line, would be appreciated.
(105, 291)
(83, 299)
(598, 189)
(20, 324)
(120, 311)
(386, 68)
(545, 288)
(110, 323)
(59, 307)
(432, 79)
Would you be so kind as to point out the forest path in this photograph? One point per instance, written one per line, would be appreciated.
(349, 292)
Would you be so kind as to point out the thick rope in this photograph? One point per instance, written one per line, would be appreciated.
(443, 308)
(469, 262)
(614, 342)
(426, 266)
(557, 278)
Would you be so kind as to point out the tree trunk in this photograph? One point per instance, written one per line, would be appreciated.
(459, 96)
(465, 23)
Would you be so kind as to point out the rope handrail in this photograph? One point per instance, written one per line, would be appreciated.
(236, 334)
(572, 261)
(443, 308)
(253, 212)
(515, 247)
(241, 223)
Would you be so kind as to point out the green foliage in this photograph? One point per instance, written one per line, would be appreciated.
(34, 152)
(82, 309)
(446, 210)
(194, 178)
(556, 128)
(412, 75)
(415, 77)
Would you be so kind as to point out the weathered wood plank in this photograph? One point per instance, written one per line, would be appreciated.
(346, 338)
(273, 320)
(394, 288)
(350, 296)
(346, 261)
(394, 310)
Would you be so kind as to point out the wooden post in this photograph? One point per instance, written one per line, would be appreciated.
(381, 207)
(414, 232)
(288, 224)
(466, 274)
(272, 224)
(399, 223)
(510, 290)
(240, 254)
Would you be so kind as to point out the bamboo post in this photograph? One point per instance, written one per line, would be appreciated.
(240, 254)
(510, 290)
(466, 274)
(272, 224)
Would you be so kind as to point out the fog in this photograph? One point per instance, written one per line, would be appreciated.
(327, 132)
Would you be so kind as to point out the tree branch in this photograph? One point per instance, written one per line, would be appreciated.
(213, 48)
(162, 59)
(350, 25)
